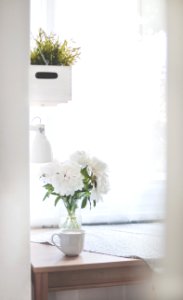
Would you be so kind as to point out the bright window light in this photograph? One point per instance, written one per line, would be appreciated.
(118, 107)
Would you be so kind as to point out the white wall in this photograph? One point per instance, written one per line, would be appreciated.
(175, 144)
(14, 186)
(171, 286)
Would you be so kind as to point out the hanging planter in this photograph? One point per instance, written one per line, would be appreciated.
(51, 70)
(50, 85)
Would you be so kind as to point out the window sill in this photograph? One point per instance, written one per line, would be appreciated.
(143, 240)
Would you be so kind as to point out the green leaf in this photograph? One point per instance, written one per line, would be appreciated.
(57, 199)
(49, 187)
(84, 172)
(49, 51)
(55, 194)
(46, 195)
(84, 202)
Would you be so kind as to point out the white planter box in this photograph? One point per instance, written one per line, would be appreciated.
(50, 85)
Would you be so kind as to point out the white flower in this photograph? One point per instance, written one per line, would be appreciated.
(97, 166)
(101, 188)
(48, 171)
(102, 184)
(99, 170)
(80, 157)
(95, 195)
(68, 179)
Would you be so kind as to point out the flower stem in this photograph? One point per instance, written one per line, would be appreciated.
(71, 222)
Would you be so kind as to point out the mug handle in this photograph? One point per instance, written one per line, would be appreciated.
(55, 244)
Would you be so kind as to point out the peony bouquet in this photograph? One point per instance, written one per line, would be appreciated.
(82, 179)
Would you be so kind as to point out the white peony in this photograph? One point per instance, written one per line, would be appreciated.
(95, 195)
(101, 188)
(48, 171)
(102, 184)
(81, 158)
(68, 179)
(97, 166)
(81, 173)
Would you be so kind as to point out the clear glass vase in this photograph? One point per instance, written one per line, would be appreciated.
(71, 222)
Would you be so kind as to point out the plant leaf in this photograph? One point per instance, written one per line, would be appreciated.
(46, 195)
(57, 199)
(84, 202)
(49, 51)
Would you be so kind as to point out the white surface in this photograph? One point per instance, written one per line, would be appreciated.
(50, 91)
(41, 149)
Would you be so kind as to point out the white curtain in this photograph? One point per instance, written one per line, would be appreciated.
(117, 112)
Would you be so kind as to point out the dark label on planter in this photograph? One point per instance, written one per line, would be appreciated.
(46, 75)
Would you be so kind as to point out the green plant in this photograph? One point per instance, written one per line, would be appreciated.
(49, 51)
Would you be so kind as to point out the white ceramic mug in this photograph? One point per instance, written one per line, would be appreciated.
(69, 242)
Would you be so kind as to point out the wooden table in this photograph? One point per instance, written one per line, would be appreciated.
(52, 271)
